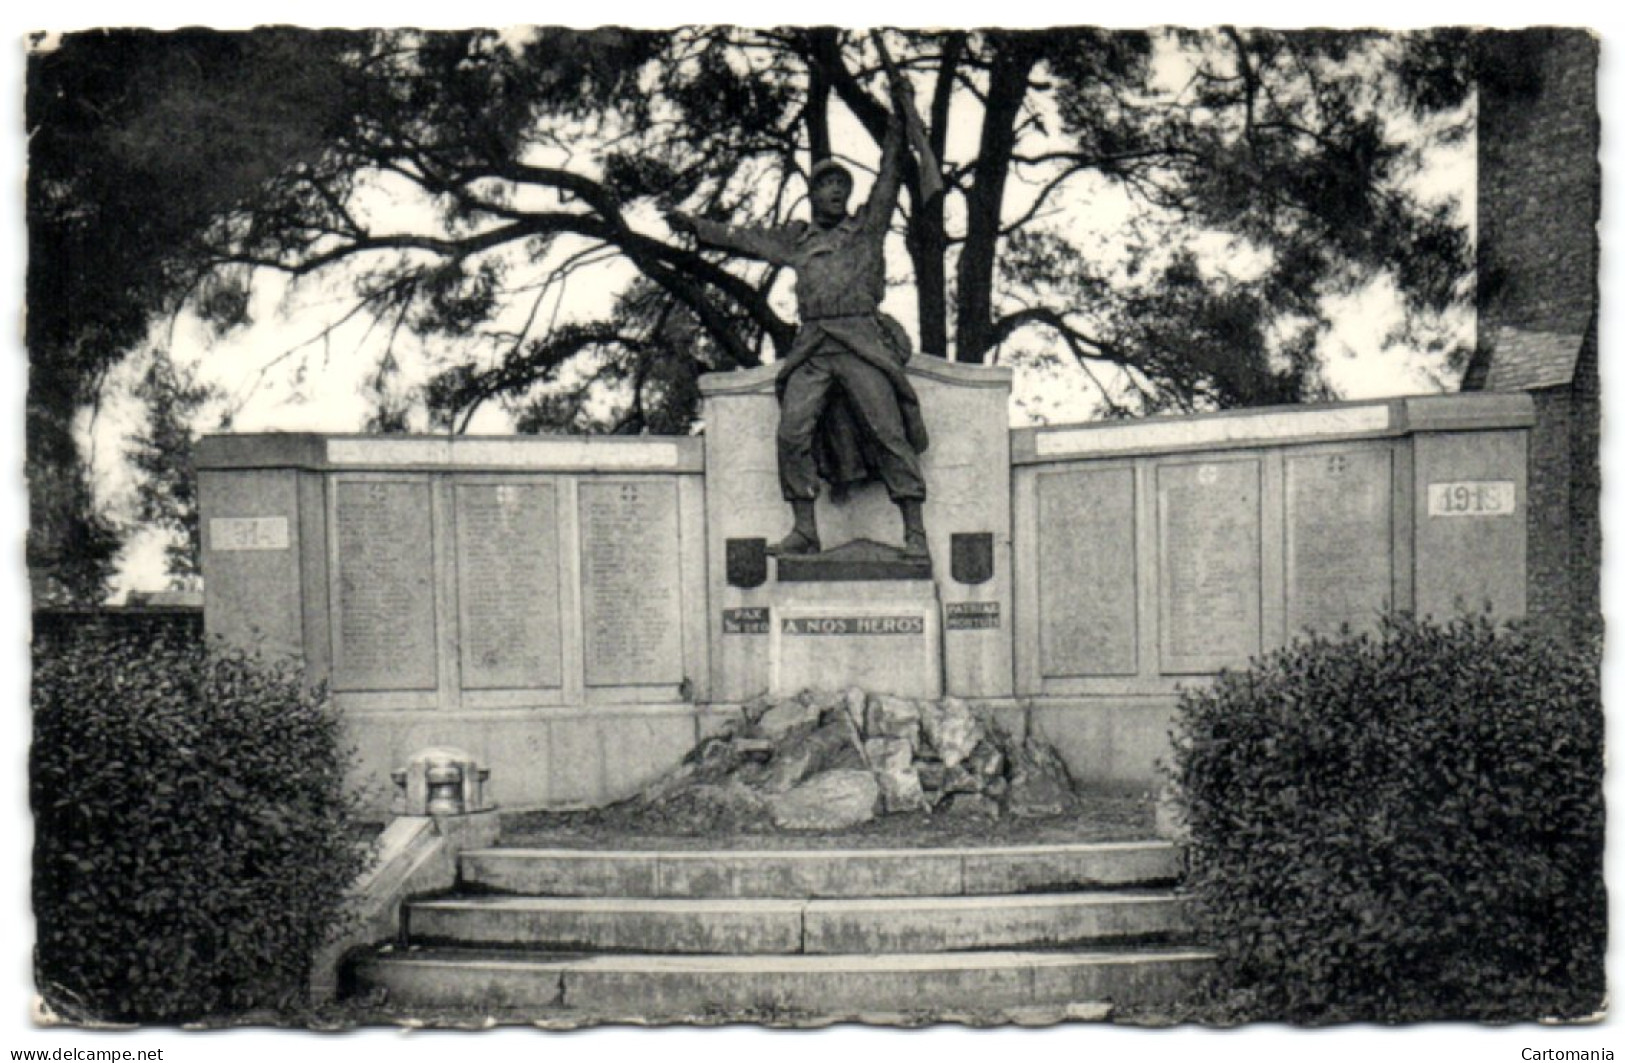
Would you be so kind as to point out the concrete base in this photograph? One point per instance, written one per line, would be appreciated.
(582, 757)
(1108, 741)
(884, 636)
(860, 560)
(547, 757)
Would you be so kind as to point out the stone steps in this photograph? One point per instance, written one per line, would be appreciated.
(792, 873)
(803, 935)
(785, 926)
(654, 987)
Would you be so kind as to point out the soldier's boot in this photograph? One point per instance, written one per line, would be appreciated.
(803, 538)
(914, 542)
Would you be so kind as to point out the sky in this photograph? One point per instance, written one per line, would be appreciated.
(1340, 1045)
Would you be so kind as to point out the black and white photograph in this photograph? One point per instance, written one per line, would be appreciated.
(945, 530)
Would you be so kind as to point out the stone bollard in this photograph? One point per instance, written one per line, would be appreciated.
(440, 811)
(440, 781)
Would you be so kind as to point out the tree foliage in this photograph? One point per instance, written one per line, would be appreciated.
(1259, 174)
(161, 451)
(194, 835)
(1403, 826)
(493, 199)
(137, 141)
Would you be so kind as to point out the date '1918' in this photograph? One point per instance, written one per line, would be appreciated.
(1476, 498)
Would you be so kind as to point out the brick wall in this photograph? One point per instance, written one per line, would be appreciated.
(1539, 180)
(1539, 190)
(1550, 583)
(1585, 485)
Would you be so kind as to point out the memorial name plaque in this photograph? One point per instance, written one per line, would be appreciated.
(385, 572)
(508, 585)
(748, 620)
(629, 574)
(855, 625)
(1474, 498)
(1208, 518)
(1086, 572)
(248, 533)
(890, 646)
(971, 616)
(1339, 567)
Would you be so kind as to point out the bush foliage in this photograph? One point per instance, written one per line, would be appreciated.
(193, 841)
(1400, 826)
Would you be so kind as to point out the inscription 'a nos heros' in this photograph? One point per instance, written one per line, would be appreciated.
(854, 625)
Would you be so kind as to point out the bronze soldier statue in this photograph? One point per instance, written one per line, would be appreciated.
(846, 407)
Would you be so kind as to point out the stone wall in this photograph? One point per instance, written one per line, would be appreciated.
(559, 608)
(1150, 555)
(538, 602)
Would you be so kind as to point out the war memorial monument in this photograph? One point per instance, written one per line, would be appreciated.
(576, 615)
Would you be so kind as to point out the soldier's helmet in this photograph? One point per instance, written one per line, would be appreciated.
(829, 166)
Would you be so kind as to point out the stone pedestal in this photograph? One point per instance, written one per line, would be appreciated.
(884, 636)
(967, 519)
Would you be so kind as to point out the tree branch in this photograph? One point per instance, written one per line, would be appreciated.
(1054, 320)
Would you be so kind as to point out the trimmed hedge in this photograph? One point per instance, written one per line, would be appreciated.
(1401, 826)
(193, 833)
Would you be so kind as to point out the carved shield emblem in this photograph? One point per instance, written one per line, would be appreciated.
(971, 556)
(747, 562)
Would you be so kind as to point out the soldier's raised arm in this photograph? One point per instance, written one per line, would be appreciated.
(902, 103)
(877, 211)
(770, 243)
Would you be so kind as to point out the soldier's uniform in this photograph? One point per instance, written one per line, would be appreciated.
(846, 405)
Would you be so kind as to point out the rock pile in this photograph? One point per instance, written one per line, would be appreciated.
(830, 760)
